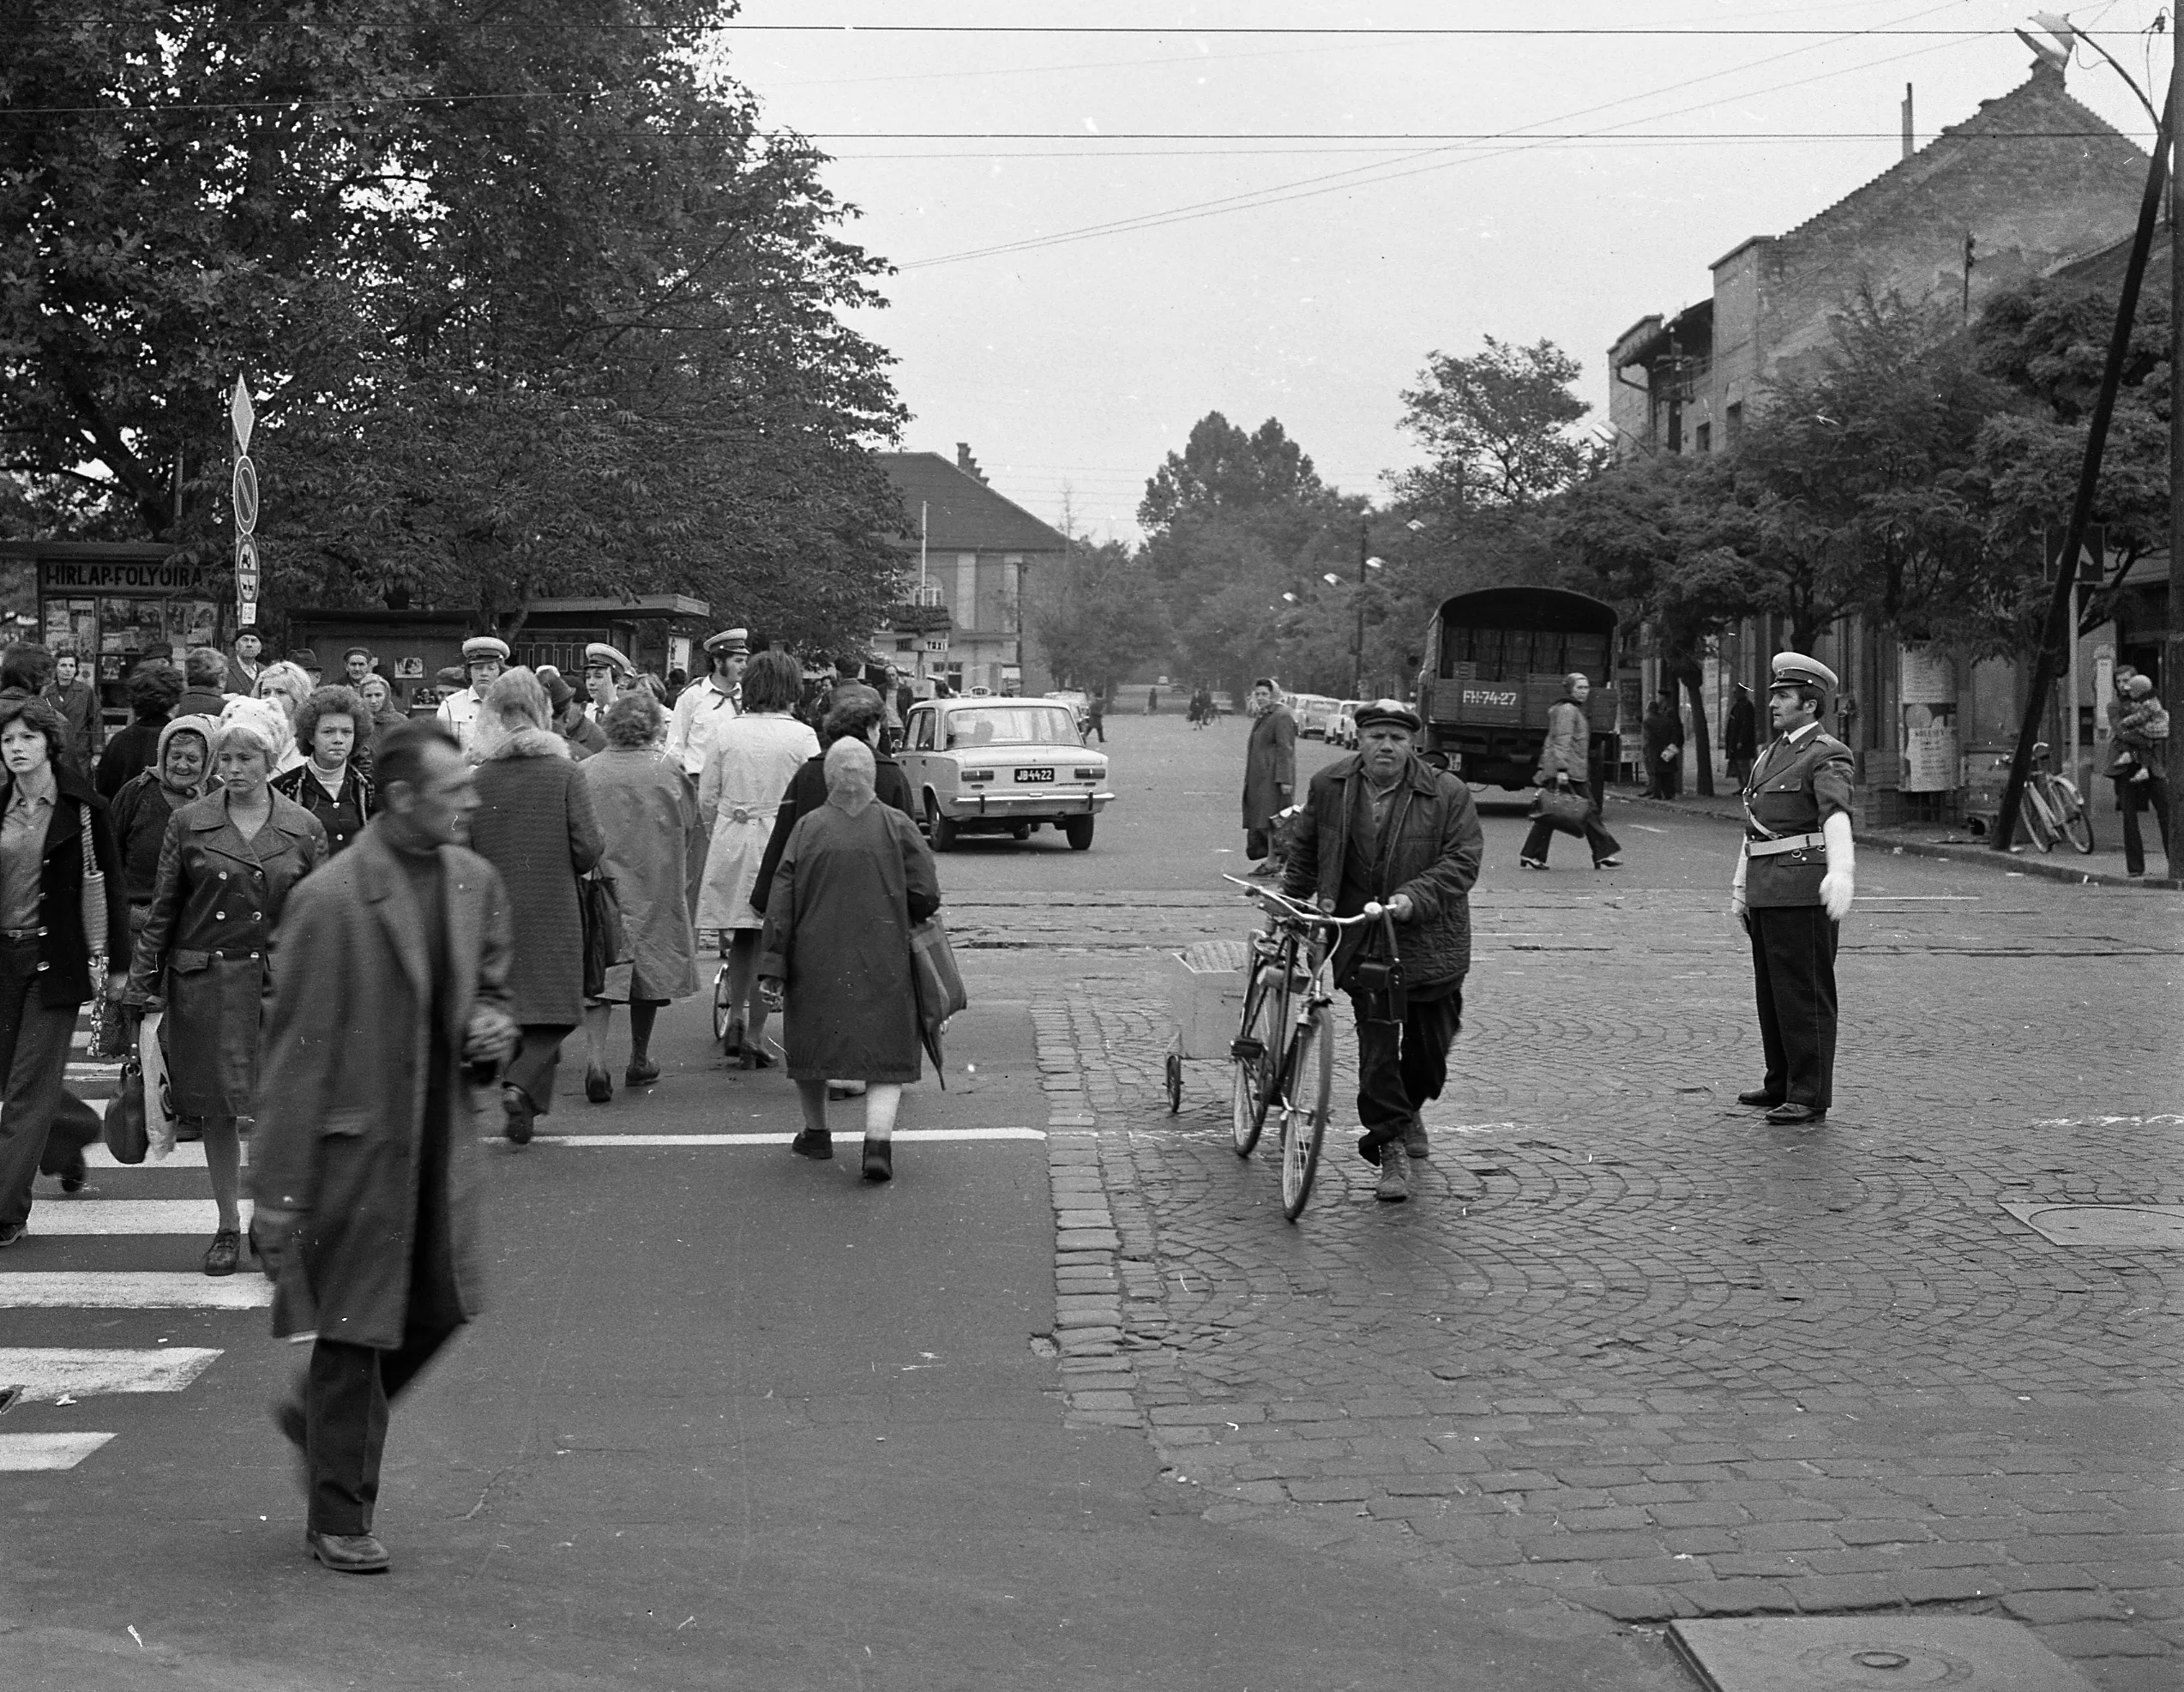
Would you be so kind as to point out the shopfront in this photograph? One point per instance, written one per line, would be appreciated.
(114, 603)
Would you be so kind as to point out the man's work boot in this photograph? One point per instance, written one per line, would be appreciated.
(1395, 1179)
(1414, 1137)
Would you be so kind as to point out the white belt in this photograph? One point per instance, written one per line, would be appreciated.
(1783, 843)
(752, 813)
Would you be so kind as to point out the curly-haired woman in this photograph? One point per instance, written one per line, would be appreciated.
(329, 783)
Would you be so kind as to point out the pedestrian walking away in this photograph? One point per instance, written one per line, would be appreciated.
(1662, 744)
(1565, 762)
(703, 707)
(648, 821)
(1269, 774)
(204, 676)
(1383, 826)
(484, 658)
(1796, 876)
(390, 994)
(152, 694)
(51, 823)
(856, 711)
(226, 868)
(749, 765)
(853, 878)
(329, 783)
(535, 825)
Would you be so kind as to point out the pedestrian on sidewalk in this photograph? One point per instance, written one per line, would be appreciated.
(749, 763)
(1663, 748)
(1383, 826)
(1565, 761)
(855, 876)
(534, 823)
(2139, 724)
(648, 818)
(389, 997)
(1741, 734)
(1269, 775)
(46, 809)
(226, 868)
(1795, 877)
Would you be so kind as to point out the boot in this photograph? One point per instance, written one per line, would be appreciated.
(1414, 1137)
(1395, 1180)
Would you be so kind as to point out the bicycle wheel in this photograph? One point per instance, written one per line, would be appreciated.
(1256, 1050)
(2033, 816)
(1304, 1109)
(2077, 820)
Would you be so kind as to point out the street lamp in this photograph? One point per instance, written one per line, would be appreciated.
(1365, 562)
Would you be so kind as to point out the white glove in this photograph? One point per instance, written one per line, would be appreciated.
(1840, 884)
(1836, 889)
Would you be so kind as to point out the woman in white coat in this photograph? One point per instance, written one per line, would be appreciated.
(748, 767)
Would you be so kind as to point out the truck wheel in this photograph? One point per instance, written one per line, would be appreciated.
(1080, 831)
(942, 831)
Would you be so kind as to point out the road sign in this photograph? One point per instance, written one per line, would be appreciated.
(246, 567)
(2091, 557)
(246, 495)
(240, 415)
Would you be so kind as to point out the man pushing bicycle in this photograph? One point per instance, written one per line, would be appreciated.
(1383, 825)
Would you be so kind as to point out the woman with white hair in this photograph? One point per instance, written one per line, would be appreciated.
(854, 876)
(289, 687)
(227, 867)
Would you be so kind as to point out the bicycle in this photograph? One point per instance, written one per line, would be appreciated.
(2052, 808)
(1285, 1054)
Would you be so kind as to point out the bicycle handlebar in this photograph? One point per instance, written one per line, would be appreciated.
(1286, 906)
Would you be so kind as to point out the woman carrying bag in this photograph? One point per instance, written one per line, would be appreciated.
(1564, 768)
(46, 959)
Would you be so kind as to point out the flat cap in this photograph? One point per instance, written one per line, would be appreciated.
(358, 651)
(303, 659)
(1796, 670)
(485, 646)
(558, 690)
(1388, 713)
(729, 640)
(599, 653)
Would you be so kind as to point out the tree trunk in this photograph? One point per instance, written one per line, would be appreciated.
(1694, 677)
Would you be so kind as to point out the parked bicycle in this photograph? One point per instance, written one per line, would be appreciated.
(2052, 808)
(1284, 1050)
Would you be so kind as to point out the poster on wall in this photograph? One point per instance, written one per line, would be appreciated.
(1927, 738)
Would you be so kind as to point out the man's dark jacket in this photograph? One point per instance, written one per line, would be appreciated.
(807, 792)
(1434, 857)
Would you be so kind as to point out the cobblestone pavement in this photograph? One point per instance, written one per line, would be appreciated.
(1629, 1348)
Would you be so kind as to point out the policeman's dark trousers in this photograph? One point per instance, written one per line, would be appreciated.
(1604, 844)
(1793, 969)
(34, 1058)
(346, 1392)
(1401, 1065)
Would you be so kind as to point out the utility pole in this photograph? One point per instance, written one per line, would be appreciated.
(2172, 662)
(1357, 639)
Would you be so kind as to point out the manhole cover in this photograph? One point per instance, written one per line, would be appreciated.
(1869, 1653)
(2158, 1227)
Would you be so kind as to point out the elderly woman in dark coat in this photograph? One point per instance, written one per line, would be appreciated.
(835, 951)
(46, 809)
(142, 811)
(650, 819)
(535, 825)
(225, 871)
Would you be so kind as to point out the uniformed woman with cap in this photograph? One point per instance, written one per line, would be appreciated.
(484, 656)
(608, 673)
(1795, 879)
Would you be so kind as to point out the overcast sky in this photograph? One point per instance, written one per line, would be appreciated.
(1615, 167)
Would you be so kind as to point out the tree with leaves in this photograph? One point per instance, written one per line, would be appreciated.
(1098, 617)
(1499, 426)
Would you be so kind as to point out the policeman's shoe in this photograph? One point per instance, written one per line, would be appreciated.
(1414, 1138)
(348, 1553)
(1395, 1181)
(1787, 1113)
(1758, 1095)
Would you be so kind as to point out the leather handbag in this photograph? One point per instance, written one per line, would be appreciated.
(606, 941)
(1559, 806)
(127, 1135)
(94, 897)
(932, 964)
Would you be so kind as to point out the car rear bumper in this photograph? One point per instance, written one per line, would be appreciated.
(1013, 805)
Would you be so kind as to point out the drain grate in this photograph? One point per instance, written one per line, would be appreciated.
(1872, 1653)
(2144, 1226)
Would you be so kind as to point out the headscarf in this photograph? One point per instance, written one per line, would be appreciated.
(202, 727)
(849, 775)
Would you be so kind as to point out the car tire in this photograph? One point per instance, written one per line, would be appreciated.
(940, 829)
(1020, 831)
(1079, 830)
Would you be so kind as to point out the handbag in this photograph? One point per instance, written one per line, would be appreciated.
(606, 940)
(124, 1130)
(1564, 809)
(932, 966)
(94, 897)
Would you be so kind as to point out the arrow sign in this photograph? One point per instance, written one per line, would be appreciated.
(240, 415)
(246, 495)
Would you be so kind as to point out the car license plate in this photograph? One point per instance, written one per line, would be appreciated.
(1035, 774)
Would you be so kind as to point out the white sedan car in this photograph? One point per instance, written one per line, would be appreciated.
(1002, 766)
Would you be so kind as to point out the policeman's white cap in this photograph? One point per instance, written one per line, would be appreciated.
(485, 646)
(599, 652)
(729, 640)
(1796, 670)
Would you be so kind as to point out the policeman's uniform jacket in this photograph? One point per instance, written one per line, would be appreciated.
(1797, 784)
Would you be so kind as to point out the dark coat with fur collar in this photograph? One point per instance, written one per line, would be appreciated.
(535, 824)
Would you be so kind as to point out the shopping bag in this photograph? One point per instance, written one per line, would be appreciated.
(606, 941)
(158, 1095)
(1565, 810)
(939, 984)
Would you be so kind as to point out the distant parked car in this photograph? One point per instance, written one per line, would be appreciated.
(1313, 713)
(1342, 731)
(1002, 766)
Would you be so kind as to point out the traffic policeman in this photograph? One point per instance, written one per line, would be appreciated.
(701, 709)
(1794, 880)
(484, 656)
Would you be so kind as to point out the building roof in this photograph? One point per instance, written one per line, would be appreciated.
(2104, 266)
(962, 514)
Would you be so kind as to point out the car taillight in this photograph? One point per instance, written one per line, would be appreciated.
(978, 776)
(1092, 773)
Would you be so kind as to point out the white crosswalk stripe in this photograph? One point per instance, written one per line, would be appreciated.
(129, 1216)
(41, 1373)
(132, 1290)
(22, 1453)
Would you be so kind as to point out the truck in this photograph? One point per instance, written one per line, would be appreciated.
(1494, 662)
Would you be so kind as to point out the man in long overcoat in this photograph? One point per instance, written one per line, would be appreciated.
(389, 984)
(1269, 774)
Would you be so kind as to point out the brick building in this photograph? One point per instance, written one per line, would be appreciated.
(969, 557)
(2033, 181)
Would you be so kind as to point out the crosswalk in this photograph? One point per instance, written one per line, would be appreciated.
(85, 1254)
